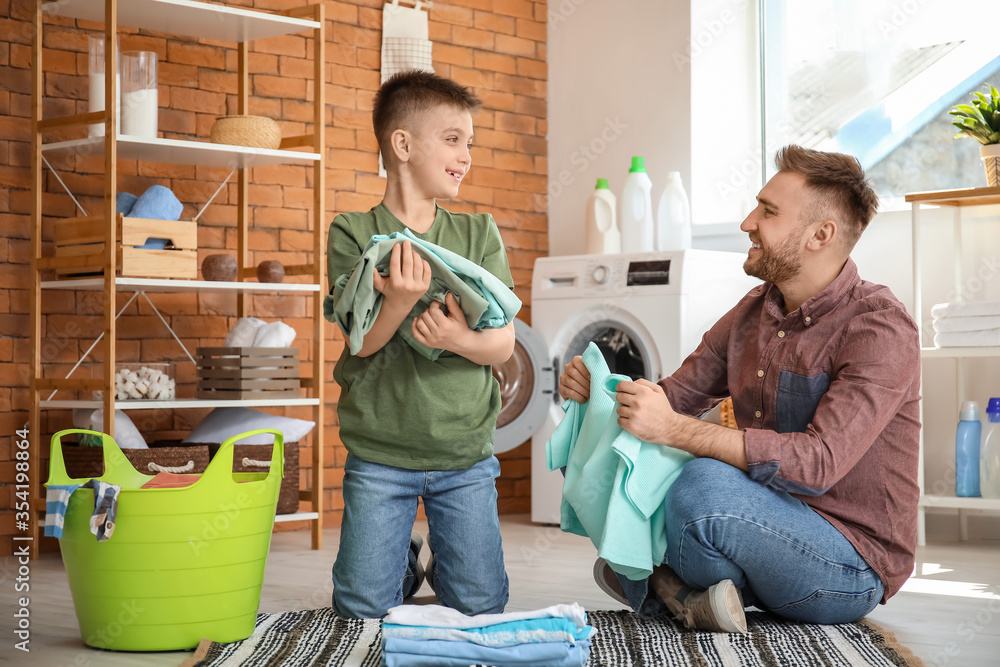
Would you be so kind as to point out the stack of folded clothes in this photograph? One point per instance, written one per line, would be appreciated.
(972, 324)
(436, 636)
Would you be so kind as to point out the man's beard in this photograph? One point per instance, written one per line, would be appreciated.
(777, 265)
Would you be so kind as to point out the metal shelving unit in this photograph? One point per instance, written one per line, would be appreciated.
(191, 19)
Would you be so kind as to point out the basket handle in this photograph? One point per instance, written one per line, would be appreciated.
(253, 463)
(222, 463)
(117, 469)
(155, 467)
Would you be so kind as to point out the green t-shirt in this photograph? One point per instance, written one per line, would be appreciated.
(396, 406)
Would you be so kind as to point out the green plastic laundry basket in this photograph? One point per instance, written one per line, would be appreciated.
(182, 565)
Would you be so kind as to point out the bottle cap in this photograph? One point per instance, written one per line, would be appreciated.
(993, 405)
(602, 184)
(970, 411)
(638, 164)
(673, 175)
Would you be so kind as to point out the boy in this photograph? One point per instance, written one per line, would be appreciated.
(415, 427)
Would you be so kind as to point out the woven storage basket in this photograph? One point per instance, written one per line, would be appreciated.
(726, 415)
(250, 458)
(252, 131)
(83, 462)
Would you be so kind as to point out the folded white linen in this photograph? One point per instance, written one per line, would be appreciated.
(274, 334)
(987, 338)
(242, 333)
(980, 323)
(438, 616)
(968, 309)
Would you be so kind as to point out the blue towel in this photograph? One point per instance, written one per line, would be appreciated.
(435, 653)
(532, 631)
(486, 302)
(124, 202)
(157, 203)
(56, 499)
(102, 521)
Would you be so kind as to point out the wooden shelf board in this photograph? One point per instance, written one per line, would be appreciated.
(188, 18)
(183, 151)
(297, 516)
(991, 504)
(964, 197)
(96, 283)
(958, 352)
(181, 403)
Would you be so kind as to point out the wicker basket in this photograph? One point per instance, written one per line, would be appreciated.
(85, 462)
(257, 458)
(727, 417)
(252, 131)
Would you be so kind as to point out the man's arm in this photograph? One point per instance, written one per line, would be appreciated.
(645, 412)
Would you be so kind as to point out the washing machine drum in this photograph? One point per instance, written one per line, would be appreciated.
(527, 384)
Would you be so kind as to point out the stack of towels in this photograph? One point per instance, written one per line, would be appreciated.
(436, 636)
(973, 324)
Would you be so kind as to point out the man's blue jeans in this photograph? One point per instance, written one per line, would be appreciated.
(785, 558)
(380, 506)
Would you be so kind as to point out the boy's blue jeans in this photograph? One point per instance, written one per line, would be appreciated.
(380, 506)
(783, 556)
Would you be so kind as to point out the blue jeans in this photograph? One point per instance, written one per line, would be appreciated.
(782, 555)
(380, 505)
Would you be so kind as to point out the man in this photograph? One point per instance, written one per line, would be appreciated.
(809, 509)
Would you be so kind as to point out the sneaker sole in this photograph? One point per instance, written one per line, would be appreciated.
(599, 565)
(727, 605)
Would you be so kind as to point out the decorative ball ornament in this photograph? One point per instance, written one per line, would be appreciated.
(271, 271)
(219, 267)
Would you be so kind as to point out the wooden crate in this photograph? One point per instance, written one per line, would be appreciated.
(247, 372)
(84, 238)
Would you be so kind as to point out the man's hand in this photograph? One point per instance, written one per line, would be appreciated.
(435, 328)
(409, 277)
(645, 412)
(574, 383)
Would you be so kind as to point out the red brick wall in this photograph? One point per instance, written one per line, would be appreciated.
(495, 46)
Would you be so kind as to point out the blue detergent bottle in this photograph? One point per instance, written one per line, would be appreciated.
(967, 440)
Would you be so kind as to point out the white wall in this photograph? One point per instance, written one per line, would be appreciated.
(614, 92)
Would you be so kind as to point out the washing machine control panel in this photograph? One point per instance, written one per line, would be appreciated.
(601, 274)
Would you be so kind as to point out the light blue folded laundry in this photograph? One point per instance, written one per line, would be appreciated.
(124, 202)
(485, 301)
(157, 203)
(532, 631)
(434, 653)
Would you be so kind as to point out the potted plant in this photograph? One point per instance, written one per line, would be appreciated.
(981, 121)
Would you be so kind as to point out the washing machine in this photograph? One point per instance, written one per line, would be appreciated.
(645, 311)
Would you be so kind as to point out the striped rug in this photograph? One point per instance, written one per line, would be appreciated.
(317, 637)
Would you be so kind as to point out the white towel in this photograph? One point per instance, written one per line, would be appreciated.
(987, 338)
(970, 309)
(966, 323)
(274, 334)
(437, 616)
(243, 332)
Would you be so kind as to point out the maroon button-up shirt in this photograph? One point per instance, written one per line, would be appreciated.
(829, 398)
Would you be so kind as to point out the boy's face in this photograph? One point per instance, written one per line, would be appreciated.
(440, 156)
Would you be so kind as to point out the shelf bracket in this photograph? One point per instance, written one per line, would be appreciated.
(65, 187)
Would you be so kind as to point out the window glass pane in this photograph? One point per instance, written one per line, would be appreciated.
(875, 79)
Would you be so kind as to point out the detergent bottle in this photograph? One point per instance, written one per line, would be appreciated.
(603, 236)
(637, 228)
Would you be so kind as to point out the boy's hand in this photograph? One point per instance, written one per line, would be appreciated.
(575, 381)
(409, 277)
(443, 331)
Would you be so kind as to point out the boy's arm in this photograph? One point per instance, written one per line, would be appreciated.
(409, 278)
(451, 332)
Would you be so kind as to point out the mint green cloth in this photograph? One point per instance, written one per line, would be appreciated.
(355, 303)
(615, 483)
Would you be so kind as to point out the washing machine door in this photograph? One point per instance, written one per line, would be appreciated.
(527, 383)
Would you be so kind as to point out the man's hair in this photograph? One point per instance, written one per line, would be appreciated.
(406, 94)
(842, 189)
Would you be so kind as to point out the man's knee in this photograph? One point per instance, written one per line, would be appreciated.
(703, 484)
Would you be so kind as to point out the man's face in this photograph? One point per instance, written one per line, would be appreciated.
(775, 230)
(440, 153)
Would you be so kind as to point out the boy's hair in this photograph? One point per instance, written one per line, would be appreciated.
(841, 188)
(409, 93)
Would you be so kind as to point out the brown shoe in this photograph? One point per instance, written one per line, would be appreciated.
(719, 609)
(608, 581)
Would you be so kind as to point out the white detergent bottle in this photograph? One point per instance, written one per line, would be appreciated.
(603, 237)
(638, 234)
(989, 453)
(673, 216)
